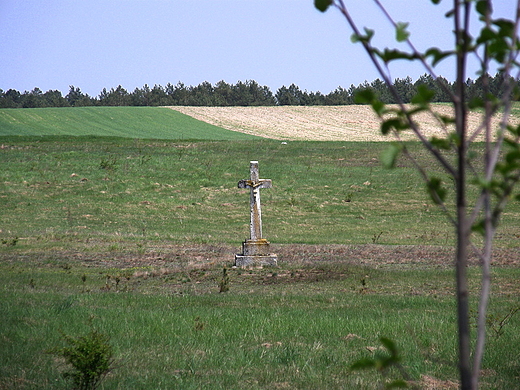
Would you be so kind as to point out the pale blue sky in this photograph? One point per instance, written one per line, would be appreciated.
(96, 44)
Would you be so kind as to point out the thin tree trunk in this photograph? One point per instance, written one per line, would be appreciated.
(461, 260)
(461, 19)
(463, 300)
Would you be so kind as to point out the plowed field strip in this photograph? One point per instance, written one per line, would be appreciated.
(320, 123)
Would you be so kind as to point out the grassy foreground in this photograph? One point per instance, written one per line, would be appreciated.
(299, 326)
(105, 231)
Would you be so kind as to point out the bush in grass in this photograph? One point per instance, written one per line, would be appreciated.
(90, 358)
(224, 283)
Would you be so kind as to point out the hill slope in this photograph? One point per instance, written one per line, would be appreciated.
(322, 123)
(128, 122)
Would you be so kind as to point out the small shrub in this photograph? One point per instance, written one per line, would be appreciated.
(10, 241)
(376, 237)
(348, 197)
(84, 280)
(90, 357)
(108, 163)
(364, 286)
(224, 283)
(292, 201)
(199, 325)
(498, 323)
(144, 159)
(113, 248)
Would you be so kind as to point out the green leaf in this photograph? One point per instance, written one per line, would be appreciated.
(368, 96)
(363, 364)
(424, 95)
(401, 34)
(417, 109)
(484, 184)
(511, 143)
(479, 227)
(482, 7)
(513, 157)
(389, 124)
(441, 143)
(486, 34)
(379, 107)
(390, 154)
(393, 54)
(365, 96)
(322, 5)
(515, 130)
(389, 345)
(476, 102)
(355, 38)
(506, 28)
(498, 49)
(437, 54)
(397, 124)
(397, 384)
(436, 1)
(503, 168)
(369, 33)
(436, 191)
(446, 119)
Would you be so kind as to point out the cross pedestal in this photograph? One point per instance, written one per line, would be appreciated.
(255, 251)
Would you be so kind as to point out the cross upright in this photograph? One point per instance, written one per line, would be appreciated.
(255, 251)
(254, 184)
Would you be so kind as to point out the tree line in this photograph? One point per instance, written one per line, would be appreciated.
(248, 93)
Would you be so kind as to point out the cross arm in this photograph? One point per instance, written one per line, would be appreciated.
(261, 183)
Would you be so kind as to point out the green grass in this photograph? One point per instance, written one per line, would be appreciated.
(73, 192)
(129, 122)
(285, 333)
(151, 223)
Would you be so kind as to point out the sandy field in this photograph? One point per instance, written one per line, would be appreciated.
(321, 123)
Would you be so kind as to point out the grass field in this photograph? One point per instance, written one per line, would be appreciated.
(129, 122)
(298, 326)
(131, 236)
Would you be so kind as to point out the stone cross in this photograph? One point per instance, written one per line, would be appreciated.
(255, 251)
(254, 184)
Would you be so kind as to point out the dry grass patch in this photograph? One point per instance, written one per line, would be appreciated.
(318, 123)
(431, 383)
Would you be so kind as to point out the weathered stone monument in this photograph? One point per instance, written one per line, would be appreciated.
(255, 251)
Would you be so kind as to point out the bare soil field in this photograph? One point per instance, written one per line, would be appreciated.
(299, 263)
(318, 123)
(195, 256)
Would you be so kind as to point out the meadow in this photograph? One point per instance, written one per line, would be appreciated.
(127, 122)
(131, 236)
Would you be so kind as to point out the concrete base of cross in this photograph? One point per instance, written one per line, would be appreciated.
(259, 260)
(255, 253)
